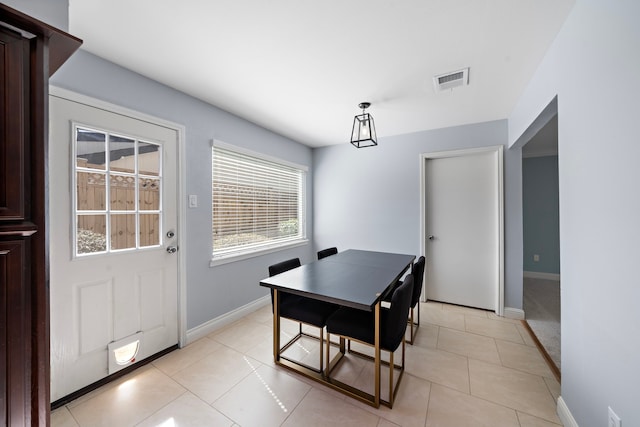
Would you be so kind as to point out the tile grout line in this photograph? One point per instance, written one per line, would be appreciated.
(186, 390)
(426, 416)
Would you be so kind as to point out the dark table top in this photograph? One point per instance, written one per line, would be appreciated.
(353, 278)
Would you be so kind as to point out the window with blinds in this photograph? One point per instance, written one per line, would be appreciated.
(258, 203)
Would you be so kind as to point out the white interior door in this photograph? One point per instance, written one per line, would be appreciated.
(463, 227)
(113, 267)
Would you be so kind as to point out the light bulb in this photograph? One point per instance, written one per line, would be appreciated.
(364, 129)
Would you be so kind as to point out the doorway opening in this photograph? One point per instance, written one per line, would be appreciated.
(541, 233)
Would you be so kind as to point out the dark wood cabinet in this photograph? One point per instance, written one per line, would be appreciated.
(30, 51)
(14, 58)
(13, 347)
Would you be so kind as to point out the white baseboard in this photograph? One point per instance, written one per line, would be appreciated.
(206, 328)
(539, 275)
(565, 414)
(513, 313)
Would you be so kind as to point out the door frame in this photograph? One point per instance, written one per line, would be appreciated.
(499, 151)
(180, 187)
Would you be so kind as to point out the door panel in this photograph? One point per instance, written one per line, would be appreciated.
(94, 305)
(13, 69)
(462, 229)
(122, 283)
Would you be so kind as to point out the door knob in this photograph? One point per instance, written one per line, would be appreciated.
(430, 237)
(172, 249)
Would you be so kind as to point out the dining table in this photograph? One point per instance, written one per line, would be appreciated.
(360, 279)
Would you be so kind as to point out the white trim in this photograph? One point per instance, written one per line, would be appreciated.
(180, 188)
(258, 252)
(212, 325)
(423, 217)
(565, 414)
(540, 275)
(500, 296)
(513, 313)
(499, 150)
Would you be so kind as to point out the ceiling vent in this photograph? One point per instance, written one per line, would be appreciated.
(451, 80)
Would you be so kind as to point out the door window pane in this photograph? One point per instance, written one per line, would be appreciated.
(122, 154)
(91, 235)
(149, 230)
(149, 193)
(148, 159)
(122, 192)
(91, 191)
(90, 149)
(123, 231)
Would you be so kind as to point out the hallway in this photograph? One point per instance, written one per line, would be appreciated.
(541, 303)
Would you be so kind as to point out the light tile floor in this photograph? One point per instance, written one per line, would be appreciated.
(467, 368)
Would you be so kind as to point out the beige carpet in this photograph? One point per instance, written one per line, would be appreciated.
(541, 304)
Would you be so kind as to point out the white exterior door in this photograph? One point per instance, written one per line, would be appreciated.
(463, 227)
(113, 267)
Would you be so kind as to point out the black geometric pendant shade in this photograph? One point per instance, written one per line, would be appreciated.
(363, 133)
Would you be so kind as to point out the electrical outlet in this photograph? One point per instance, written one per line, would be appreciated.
(536, 258)
(614, 420)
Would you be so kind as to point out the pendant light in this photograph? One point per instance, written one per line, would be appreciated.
(364, 131)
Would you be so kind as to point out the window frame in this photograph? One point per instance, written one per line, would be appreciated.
(258, 250)
(108, 211)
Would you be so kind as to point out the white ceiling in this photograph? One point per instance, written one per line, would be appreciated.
(300, 67)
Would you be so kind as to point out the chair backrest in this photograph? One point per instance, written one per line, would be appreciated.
(327, 252)
(396, 321)
(418, 277)
(283, 266)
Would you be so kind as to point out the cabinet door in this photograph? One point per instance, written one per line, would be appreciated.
(13, 125)
(14, 336)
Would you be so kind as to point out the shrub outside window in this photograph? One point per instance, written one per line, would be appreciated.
(258, 202)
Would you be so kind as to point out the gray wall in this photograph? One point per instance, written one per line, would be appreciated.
(599, 176)
(369, 198)
(211, 292)
(540, 219)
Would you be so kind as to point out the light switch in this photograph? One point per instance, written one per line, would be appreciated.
(193, 201)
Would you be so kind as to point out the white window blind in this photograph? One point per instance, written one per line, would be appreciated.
(257, 203)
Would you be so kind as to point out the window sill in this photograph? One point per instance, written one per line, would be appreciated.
(246, 255)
